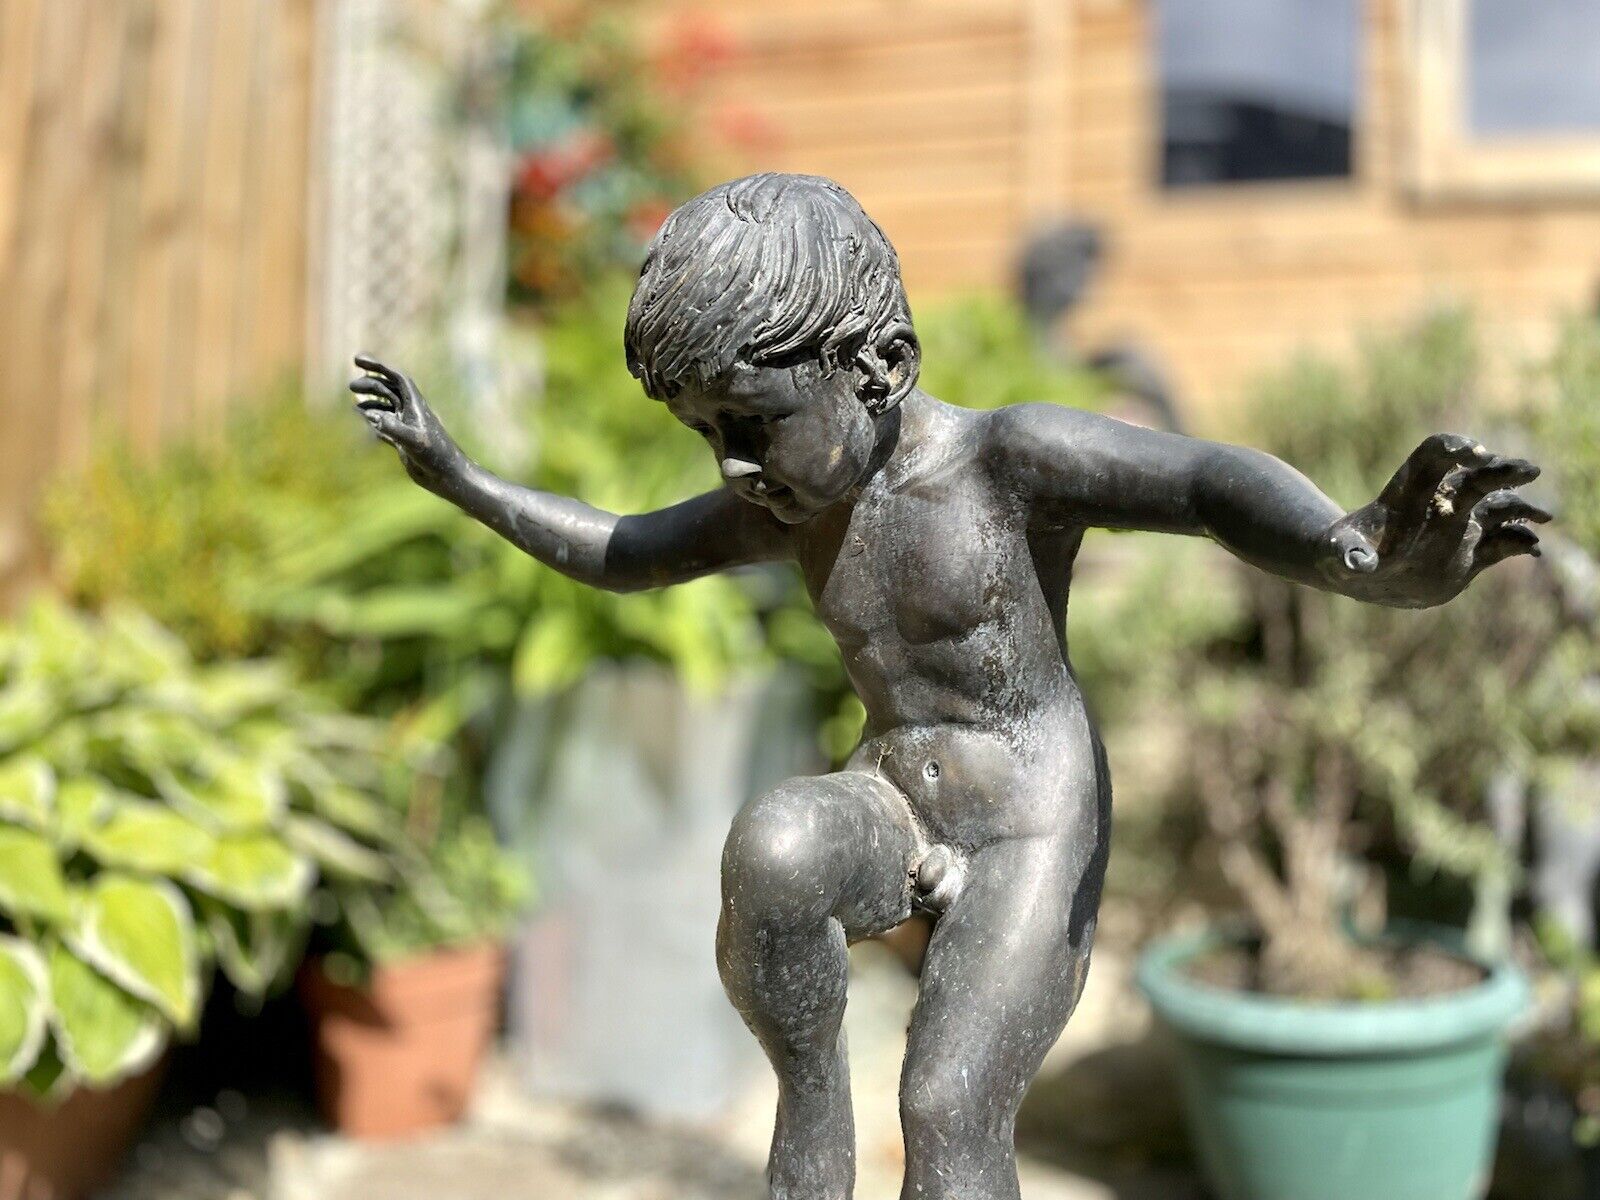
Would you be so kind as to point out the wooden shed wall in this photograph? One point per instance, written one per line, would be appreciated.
(958, 124)
(153, 166)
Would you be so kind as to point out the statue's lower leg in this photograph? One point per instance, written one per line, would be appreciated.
(807, 867)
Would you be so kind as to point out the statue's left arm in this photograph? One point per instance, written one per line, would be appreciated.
(1451, 510)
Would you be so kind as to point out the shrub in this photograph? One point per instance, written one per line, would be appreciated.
(158, 817)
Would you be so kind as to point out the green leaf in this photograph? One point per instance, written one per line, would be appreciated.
(81, 804)
(48, 1080)
(146, 649)
(252, 870)
(24, 1007)
(141, 934)
(444, 610)
(236, 795)
(391, 517)
(27, 788)
(103, 1033)
(353, 811)
(336, 851)
(152, 838)
(256, 949)
(226, 692)
(152, 740)
(31, 883)
(550, 654)
(27, 709)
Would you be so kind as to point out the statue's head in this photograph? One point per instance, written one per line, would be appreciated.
(770, 318)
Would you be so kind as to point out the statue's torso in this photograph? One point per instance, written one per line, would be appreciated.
(948, 611)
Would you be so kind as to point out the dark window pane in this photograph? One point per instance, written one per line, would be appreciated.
(1256, 89)
(1533, 66)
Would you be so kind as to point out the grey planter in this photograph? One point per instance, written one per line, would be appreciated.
(620, 793)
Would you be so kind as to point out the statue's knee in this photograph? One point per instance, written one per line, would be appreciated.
(943, 1105)
(773, 869)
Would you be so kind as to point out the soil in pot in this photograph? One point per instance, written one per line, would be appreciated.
(1409, 971)
(400, 1054)
(69, 1150)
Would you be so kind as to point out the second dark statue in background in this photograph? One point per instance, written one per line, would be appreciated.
(937, 544)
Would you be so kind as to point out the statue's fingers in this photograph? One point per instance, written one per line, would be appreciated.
(1494, 475)
(1443, 453)
(378, 367)
(1505, 542)
(1497, 508)
(378, 392)
(383, 422)
(1420, 482)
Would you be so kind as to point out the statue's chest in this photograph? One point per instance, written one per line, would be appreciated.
(919, 566)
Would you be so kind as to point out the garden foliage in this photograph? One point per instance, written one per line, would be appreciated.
(160, 819)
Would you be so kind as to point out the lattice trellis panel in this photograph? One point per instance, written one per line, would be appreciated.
(383, 195)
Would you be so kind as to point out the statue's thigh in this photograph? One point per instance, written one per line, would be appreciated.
(840, 845)
(1003, 972)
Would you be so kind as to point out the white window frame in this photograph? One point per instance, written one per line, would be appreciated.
(1446, 160)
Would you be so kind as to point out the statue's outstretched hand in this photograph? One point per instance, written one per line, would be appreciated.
(1450, 511)
(400, 416)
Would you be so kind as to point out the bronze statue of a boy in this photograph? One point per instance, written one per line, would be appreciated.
(937, 544)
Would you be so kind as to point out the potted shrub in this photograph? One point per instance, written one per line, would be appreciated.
(158, 820)
(1326, 1053)
(405, 1002)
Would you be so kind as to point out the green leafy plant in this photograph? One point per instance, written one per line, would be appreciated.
(180, 533)
(158, 819)
(601, 158)
(1319, 725)
(470, 891)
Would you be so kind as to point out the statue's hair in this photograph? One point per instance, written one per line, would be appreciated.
(769, 268)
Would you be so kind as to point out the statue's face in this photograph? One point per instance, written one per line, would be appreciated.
(792, 439)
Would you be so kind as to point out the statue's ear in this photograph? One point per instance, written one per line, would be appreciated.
(887, 367)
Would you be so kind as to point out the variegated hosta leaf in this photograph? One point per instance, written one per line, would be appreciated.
(334, 850)
(256, 949)
(103, 1033)
(24, 1007)
(235, 795)
(252, 870)
(57, 642)
(81, 804)
(27, 789)
(143, 647)
(142, 836)
(27, 709)
(224, 693)
(151, 740)
(340, 804)
(140, 933)
(31, 883)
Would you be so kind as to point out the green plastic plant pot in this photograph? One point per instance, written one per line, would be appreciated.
(1359, 1101)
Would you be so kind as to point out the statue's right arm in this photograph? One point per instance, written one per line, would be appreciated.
(708, 533)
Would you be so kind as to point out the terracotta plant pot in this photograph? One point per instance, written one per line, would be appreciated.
(68, 1150)
(400, 1055)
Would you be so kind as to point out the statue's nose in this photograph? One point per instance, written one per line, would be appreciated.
(737, 468)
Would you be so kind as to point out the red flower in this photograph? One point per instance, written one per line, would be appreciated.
(645, 217)
(548, 171)
(745, 128)
(691, 48)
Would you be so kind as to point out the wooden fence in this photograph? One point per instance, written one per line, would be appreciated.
(153, 213)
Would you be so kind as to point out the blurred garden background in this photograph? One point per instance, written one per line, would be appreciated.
(311, 789)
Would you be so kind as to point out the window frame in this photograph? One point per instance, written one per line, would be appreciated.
(1446, 161)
